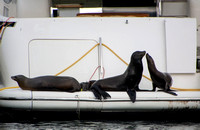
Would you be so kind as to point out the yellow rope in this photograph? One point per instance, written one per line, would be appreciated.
(77, 60)
(122, 59)
(115, 54)
(184, 89)
(180, 89)
(89, 52)
(1, 89)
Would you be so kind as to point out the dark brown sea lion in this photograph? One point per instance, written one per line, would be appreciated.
(48, 83)
(159, 79)
(87, 85)
(128, 81)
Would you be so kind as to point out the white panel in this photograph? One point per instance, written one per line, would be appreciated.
(181, 45)
(137, 35)
(123, 35)
(49, 57)
(33, 8)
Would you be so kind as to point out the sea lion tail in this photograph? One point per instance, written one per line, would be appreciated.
(132, 95)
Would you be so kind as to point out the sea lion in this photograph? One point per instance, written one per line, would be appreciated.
(85, 86)
(128, 81)
(159, 79)
(48, 83)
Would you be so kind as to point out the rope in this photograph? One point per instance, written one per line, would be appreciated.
(78, 111)
(184, 89)
(115, 54)
(77, 60)
(5, 23)
(95, 72)
(89, 52)
(62, 70)
(180, 89)
(122, 59)
(3, 27)
(1, 89)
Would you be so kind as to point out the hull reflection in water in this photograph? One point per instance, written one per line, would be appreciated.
(77, 124)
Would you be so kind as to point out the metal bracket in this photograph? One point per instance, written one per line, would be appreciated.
(100, 58)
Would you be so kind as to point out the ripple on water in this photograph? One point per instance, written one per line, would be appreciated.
(87, 124)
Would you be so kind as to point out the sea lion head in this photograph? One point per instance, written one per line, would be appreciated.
(87, 85)
(138, 55)
(149, 58)
(18, 78)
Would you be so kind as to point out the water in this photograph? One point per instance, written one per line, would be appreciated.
(101, 125)
(99, 121)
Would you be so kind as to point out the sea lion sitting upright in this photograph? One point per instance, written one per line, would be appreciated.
(128, 81)
(48, 83)
(159, 79)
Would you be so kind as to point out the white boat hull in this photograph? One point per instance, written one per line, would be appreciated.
(46, 46)
(85, 101)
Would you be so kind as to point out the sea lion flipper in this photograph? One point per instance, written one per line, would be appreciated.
(105, 95)
(132, 95)
(172, 93)
(137, 88)
(154, 87)
(96, 93)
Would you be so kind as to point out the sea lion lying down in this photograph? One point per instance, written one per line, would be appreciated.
(48, 83)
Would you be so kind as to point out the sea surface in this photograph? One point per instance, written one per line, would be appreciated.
(99, 121)
(101, 125)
